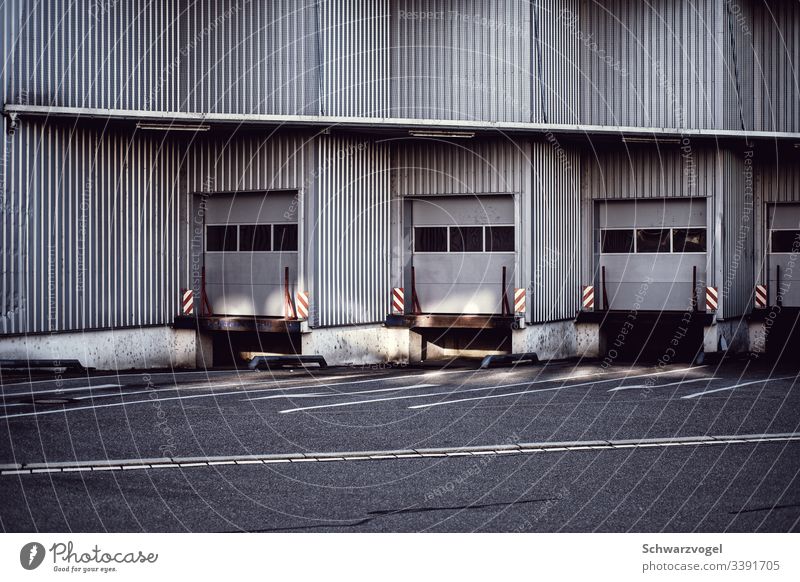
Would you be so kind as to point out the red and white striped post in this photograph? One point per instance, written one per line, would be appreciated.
(302, 304)
(187, 302)
(712, 298)
(398, 301)
(761, 297)
(519, 300)
(588, 298)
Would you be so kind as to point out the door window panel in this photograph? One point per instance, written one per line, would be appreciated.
(616, 241)
(785, 241)
(652, 240)
(285, 237)
(689, 240)
(255, 237)
(500, 239)
(221, 238)
(466, 239)
(430, 239)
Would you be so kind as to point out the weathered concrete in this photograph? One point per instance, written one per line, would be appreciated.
(560, 339)
(368, 344)
(727, 336)
(121, 349)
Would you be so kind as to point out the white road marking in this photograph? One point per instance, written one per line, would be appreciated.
(483, 388)
(329, 394)
(523, 392)
(61, 390)
(664, 385)
(724, 388)
(214, 394)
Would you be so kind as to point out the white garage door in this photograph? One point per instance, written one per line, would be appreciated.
(649, 250)
(250, 240)
(784, 253)
(460, 246)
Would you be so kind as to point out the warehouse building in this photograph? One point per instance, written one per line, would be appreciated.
(191, 183)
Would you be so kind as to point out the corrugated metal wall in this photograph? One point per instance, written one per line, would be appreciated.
(206, 56)
(250, 162)
(738, 51)
(738, 183)
(351, 233)
(462, 59)
(776, 36)
(554, 290)
(355, 57)
(456, 167)
(93, 230)
(557, 77)
(650, 64)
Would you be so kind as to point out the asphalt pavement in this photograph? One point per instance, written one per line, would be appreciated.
(563, 446)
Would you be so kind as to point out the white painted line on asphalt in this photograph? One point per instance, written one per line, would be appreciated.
(724, 388)
(62, 390)
(664, 385)
(211, 395)
(396, 389)
(481, 389)
(524, 392)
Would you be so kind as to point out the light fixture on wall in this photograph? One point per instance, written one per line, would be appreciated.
(653, 139)
(437, 133)
(172, 127)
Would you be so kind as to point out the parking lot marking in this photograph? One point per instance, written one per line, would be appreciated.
(740, 385)
(523, 392)
(214, 394)
(638, 386)
(329, 394)
(62, 390)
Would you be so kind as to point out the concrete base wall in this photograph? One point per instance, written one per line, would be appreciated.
(371, 344)
(561, 339)
(121, 349)
(735, 334)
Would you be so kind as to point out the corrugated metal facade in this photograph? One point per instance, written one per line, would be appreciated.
(205, 56)
(424, 167)
(350, 233)
(462, 59)
(777, 65)
(651, 64)
(738, 233)
(93, 230)
(555, 220)
(355, 57)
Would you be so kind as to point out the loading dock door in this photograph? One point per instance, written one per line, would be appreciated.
(460, 245)
(649, 249)
(784, 249)
(250, 239)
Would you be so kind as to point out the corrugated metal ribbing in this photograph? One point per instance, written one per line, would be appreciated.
(92, 230)
(779, 179)
(461, 59)
(440, 167)
(776, 77)
(649, 64)
(738, 73)
(249, 162)
(355, 56)
(206, 56)
(351, 233)
(736, 288)
(650, 172)
(557, 24)
(555, 215)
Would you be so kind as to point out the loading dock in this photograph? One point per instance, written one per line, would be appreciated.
(652, 261)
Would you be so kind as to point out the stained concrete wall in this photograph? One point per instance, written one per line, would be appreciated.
(368, 344)
(561, 339)
(121, 349)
